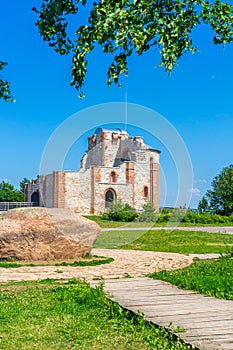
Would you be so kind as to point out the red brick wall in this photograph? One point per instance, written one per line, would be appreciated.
(154, 183)
(93, 180)
(59, 189)
(26, 193)
(130, 178)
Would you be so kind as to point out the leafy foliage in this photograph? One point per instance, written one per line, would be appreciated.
(118, 211)
(203, 205)
(22, 183)
(148, 214)
(126, 27)
(212, 277)
(9, 194)
(5, 93)
(174, 216)
(206, 218)
(221, 195)
(188, 216)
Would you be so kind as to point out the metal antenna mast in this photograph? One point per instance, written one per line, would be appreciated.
(126, 109)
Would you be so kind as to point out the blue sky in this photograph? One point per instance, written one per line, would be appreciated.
(197, 99)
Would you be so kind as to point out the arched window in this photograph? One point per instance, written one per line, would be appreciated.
(145, 192)
(110, 197)
(113, 176)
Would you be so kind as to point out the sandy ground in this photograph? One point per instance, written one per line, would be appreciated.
(126, 263)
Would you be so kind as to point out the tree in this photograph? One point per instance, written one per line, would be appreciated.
(125, 27)
(221, 195)
(203, 205)
(119, 211)
(9, 194)
(22, 183)
(148, 214)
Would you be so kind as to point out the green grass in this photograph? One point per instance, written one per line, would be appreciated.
(116, 239)
(7, 264)
(103, 223)
(212, 277)
(94, 262)
(114, 224)
(186, 242)
(86, 263)
(54, 316)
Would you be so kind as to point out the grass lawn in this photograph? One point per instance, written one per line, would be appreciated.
(113, 224)
(89, 261)
(211, 277)
(186, 242)
(50, 315)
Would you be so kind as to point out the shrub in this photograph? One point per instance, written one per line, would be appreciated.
(230, 218)
(148, 214)
(206, 218)
(177, 215)
(119, 211)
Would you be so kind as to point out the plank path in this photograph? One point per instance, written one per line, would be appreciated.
(207, 322)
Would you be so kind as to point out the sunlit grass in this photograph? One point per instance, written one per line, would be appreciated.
(55, 316)
(176, 241)
(212, 277)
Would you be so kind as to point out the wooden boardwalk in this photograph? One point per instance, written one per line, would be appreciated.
(208, 322)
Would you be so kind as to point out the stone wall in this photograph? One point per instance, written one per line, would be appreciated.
(115, 161)
(47, 195)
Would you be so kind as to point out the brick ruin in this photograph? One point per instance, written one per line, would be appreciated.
(116, 166)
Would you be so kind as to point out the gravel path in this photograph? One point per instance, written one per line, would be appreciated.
(126, 263)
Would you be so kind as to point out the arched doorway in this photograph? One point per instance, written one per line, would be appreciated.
(35, 198)
(110, 197)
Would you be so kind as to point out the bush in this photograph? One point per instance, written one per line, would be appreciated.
(206, 218)
(119, 211)
(148, 214)
(179, 215)
(230, 218)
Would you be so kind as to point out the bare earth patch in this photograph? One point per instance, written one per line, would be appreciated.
(126, 263)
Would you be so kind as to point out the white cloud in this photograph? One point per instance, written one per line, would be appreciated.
(195, 191)
(200, 181)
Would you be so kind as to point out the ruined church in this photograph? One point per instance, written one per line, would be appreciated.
(116, 166)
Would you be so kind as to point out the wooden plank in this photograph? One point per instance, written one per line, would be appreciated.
(163, 310)
(192, 326)
(208, 321)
